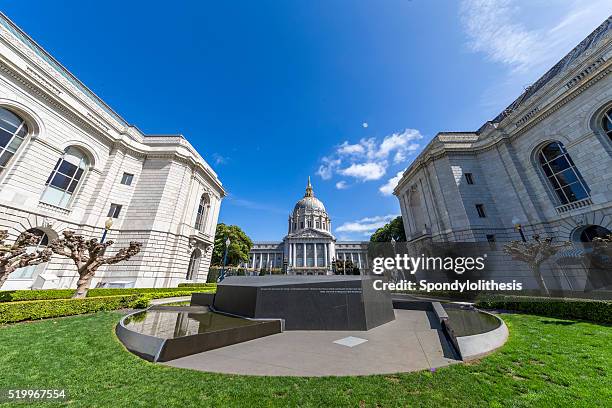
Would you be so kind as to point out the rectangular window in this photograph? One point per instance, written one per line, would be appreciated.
(114, 210)
(490, 237)
(481, 211)
(469, 178)
(127, 179)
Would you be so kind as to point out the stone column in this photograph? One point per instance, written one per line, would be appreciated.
(325, 254)
(315, 254)
(290, 249)
(253, 262)
(268, 260)
(304, 255)
(359, 259)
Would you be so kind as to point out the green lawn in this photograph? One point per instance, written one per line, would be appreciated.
(546, 362)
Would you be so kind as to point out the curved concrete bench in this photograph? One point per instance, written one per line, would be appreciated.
(479, 345)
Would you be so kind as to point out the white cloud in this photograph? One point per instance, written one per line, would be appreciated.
(398, 142)
(326, 170)
(498, 28)
(347, 149)
(369, 158)
(365, 171)
(219, 159)
(389, 186)
(365, 226)
(341, 185)
(364, 125)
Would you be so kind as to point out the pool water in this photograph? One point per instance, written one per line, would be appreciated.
(467, 321)
(170, 324)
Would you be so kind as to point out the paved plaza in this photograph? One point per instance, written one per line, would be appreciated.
(413, 341)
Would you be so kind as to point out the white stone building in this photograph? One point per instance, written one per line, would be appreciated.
(309, 248)
(543, 164)
(68, 161)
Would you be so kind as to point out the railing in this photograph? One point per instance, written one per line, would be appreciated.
(574, 206)
(53, 208)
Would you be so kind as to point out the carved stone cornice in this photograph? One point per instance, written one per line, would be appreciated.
(461, 143)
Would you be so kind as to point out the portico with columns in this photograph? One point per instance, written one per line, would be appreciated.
(309, 248)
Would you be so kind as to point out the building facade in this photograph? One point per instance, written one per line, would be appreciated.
(69, 162)
(309, 248)
(541, 166)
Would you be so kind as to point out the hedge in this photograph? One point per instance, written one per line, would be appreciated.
(43, 294)
(182, 290)
(11, 312)
(599, 311)
(197, 285)
(47, 294)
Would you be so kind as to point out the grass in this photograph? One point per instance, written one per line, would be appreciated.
(546, 363)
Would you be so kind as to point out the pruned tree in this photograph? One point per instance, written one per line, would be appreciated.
(88, 256)
(602, 246)
(344, 267)
(16, 255)
(535, 253)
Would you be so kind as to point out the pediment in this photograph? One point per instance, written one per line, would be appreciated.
(310, 233)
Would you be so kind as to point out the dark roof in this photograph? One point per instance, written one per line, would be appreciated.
(585, 44)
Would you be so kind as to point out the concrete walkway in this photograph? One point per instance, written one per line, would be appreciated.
(414, 341)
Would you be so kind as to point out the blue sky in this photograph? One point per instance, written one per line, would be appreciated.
(270, 92)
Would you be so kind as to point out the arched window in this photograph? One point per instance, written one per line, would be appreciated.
(65, 177)
(203, 207)
(28, 271)
(13, 131)
(607, 123)
(592, 231)
(194, 264)
(564, 177)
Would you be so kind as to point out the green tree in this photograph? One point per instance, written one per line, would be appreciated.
(394, 229)
(240, 245)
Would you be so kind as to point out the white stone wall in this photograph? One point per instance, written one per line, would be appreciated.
(508, 179)
(158, 208)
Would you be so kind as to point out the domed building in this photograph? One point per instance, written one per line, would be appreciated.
(309, 248)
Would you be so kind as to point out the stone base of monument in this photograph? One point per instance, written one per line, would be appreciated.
(306, 302)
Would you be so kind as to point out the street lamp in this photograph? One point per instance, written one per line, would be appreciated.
(107, 226)
(222, 276)
(517, 226)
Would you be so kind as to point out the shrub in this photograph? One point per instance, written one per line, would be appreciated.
(47, 294)
(181, 291)
(43, 294)
(197, 285)
(142, 302)
(11, 312)
(599, 311)
(213, 275)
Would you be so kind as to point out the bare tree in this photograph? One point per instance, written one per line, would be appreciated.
(602, 246)
(88, 256)
(17, 256)
(534, 253)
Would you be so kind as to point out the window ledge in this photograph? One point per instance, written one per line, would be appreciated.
(53, 208)
(574, 206)
(202, 237)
